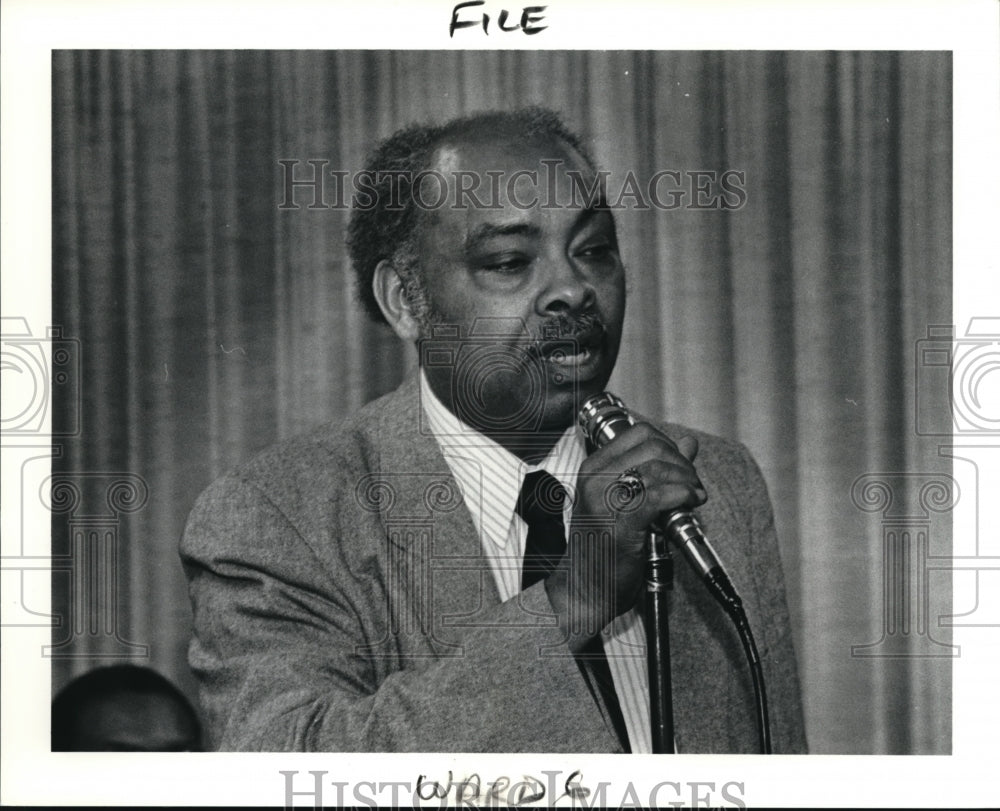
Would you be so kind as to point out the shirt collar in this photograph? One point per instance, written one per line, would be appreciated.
(488, 474)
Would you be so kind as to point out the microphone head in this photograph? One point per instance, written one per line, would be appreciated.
(602, 418)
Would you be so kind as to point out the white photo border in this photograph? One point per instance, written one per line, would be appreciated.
(32, 30)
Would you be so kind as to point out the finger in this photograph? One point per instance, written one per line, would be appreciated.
(649, 489)
(659, 476)
(640, 434)
(668, 496)
(688, 446)
(655, 501)
(653, 456)
(626, 440)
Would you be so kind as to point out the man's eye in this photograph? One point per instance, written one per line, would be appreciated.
(597, 250)
(509, 264)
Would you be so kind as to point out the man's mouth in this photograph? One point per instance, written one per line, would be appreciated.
(561, 358)
(573, 351)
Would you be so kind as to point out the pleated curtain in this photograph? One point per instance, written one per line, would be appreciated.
(212, 322)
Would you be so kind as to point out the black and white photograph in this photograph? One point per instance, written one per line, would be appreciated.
(455, 417)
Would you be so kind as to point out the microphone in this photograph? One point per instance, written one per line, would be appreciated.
(604, 417)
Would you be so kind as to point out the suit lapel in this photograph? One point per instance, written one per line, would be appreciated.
(429, 527)
(435, 555)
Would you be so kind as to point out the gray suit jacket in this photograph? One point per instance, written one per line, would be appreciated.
(342, 603)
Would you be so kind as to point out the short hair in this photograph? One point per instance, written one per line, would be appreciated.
(377, 232)
(108, 683)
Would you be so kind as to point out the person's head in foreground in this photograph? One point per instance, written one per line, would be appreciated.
(123, 708)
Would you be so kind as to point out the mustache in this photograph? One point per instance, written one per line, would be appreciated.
(556, 332)
(587, 328)
(565, 326)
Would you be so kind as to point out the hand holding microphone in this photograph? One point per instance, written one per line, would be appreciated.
(604, 569)
(610, 430)
(606, 422)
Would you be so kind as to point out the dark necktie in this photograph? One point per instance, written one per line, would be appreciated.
(540, 504)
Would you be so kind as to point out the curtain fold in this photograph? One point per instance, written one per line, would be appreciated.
(213, 321)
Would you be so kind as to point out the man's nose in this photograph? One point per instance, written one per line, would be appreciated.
(566, 288)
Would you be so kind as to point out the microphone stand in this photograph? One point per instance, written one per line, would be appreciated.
(659, 583)
(602, 418)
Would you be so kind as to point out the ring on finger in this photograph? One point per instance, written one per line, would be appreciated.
(631, 481)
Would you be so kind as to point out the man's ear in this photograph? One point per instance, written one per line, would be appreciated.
(388, 289)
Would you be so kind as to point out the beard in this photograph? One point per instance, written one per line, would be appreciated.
(500, 379)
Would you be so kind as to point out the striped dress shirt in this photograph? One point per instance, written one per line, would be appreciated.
(490, 479)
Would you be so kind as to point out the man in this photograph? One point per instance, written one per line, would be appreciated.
(123, 708)
(395, 582)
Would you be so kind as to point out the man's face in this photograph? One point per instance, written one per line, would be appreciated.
(533, 284)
